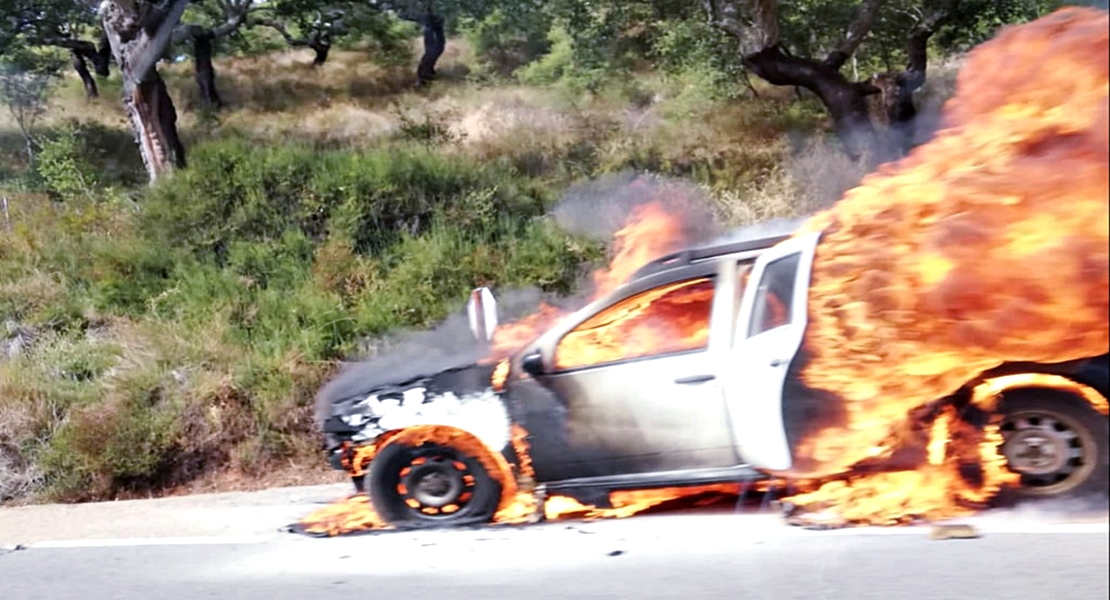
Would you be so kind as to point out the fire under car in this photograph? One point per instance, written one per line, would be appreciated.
(683, 376)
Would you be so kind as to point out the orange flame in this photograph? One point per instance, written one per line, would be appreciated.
(626, 503)
(989, 244)
(988, 392)
(500, 375)
(522, 507)
(649, 232)
(354, 513)
(666, 319)
(933, 491)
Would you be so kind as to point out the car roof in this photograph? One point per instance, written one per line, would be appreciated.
(690, 256)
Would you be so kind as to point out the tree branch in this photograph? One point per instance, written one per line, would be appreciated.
(918, 44)
(280, 28)
(235, 17)
(857, 32)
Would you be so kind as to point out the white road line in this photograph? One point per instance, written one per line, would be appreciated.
(996, 528)
(983, 528)
(165, 541)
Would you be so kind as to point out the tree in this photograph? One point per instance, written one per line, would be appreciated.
(314, 24)
(139, 32)
(64, 24)
(26, 79)
(799, 44)
(213, 20)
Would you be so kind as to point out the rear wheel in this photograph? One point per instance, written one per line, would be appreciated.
(430, 485)
(1056, 441)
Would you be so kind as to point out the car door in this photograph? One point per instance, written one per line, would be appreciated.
(638, 386)
(770, 327)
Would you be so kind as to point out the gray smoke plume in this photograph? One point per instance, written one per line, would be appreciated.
(824, 171)
(1093, 506)
(600, 207)
(402, 356)
(407, 354)
(772, 228)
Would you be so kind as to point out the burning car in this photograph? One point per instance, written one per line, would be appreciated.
(686, 375)
(937, 336)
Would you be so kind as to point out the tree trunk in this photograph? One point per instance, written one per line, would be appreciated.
(82, 69)
(321, 48)
(204, 71)
(155, 120)
(102, 57)
(139, 33)
(435, 42)
(845, 100)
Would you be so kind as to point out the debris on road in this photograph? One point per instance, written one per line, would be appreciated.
(6, 548)
(953, 532)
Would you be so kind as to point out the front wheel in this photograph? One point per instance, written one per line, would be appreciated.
(430, 485)
(1056, 441)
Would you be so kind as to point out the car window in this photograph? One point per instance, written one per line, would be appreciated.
(665, 320)
(775, 295)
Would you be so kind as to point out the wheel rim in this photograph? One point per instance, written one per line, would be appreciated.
(1052, 452)
(436, 483)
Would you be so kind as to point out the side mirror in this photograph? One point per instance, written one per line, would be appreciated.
(482, 313)
(532, 363)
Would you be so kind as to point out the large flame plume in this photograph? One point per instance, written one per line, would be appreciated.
(989, 244)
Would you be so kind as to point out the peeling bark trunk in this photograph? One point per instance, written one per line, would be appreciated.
(82, 69)
(204, 72)
(845, 100)
(435, 42)
(139, 33)
(155, 120)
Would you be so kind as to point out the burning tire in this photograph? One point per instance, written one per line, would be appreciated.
(1056, 441)
(430, 485)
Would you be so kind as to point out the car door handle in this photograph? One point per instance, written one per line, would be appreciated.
(694, 379)
(778, 362)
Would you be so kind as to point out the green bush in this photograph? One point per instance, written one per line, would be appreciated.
(81, 159)
(505, 41)
(236, 191)
(63, 166)
(699, 60)
(563, 65)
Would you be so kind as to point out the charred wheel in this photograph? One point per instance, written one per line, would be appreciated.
(430, 485)
(1056, 441)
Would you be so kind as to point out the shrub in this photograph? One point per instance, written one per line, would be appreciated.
(504, 42)
(699, 60)
(235, 191)
(564, 65)
(63, 167)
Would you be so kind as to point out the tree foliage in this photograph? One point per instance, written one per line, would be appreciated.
(26, 79)
(64, 24)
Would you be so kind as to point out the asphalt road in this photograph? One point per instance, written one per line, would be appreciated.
(708, 554)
